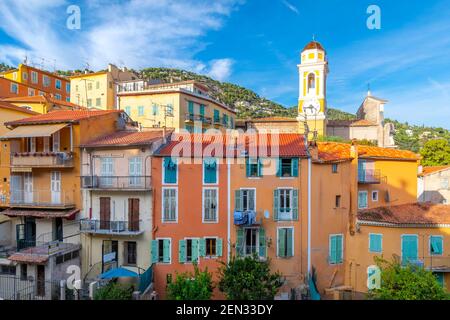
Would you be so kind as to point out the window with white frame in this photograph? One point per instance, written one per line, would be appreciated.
(245, 199)
(285, 244)
(135, 171)
(107, 171)
(161, 251)
(14, 88)
(30, 92)
(58, 84)
(375, 195)
(34, 77)
(169, 205)
(362, 200)
(46, 80)
(210, 204)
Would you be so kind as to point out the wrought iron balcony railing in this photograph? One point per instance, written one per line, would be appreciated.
(189, 117)
(42, 159)
(369, 176)
(116, 227)
(42, 198)
(116, 182)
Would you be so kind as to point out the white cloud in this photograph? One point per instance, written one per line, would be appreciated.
(137, 33)
(220, 69)
(291, 7)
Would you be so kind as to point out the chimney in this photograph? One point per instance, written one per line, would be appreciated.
(313, 150)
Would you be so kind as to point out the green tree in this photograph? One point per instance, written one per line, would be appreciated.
(248, 279)
(114, 291)
(436, 153)
(188, 286)
(408, 282)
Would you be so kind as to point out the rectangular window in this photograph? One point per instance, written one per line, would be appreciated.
(130, 253)
(23, 272)
(169, 205)
(334, 168)
(155, 109)
(14, 88)
(98, 102)
(216, 116)
(210, 170)
(58, 96)
(285, 204)
(285, 248)
(25, 75)
(436, 245)
(128, 110)
(14, 76)
(106, 171)
(58, 84)
(46, 80)
(253, 167)
(8, 270)
(34, 77)
(89, 86)
(191, 108)
(210, 204)
(140, 111)
(135, 171)
(251, 241)
(245, 199)
(375, 242)
(161, 251)
(30, 92)
(362, 200)
(287, 167)
(225, 120)
(68, 87)
(97, 85)
(170, 171)
(89, 102)
(410, 245)
(210, 247)
(335, 255)
(188, 250)
(374, 196)
(337, 203)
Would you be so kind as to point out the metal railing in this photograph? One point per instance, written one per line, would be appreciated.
(42, 198)
(197, 117)
(41, 248)
(116, 182)
(42, 159)
(111, 227)
(369, 176)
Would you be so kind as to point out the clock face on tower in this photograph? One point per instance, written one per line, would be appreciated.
(311, 107)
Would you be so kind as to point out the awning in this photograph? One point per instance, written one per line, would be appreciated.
(43, 130)
(67, 214)
(118, 273)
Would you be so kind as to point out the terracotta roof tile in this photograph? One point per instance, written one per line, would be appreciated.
(125, 138)
(433, 169)
(61, 116)
(313, 45)
(7, 105)
(414, 213)
(334, 151)
(67, 214)
(385, 153)
(284, 145)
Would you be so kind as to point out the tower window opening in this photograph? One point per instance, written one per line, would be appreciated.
(311, 82)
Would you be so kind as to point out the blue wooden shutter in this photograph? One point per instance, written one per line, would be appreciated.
(202, 247)
(210, 170)
(436, 245)
(239, 242)
(154, 251)
(294, 167)
(216, 116)
(289, 242)
(191, 107)
(251, 199)
(182, 251)
(260, 167)
(262, 243)
(195, 250)
(166, 250)
(170, 170)
(247, 167)
(281, 242)
(295, 204)
(219, 244)
(332, 251)
(238, 200)
(409, 248)
(202, 110)
(278, 167)
(276, 199)
(339, 246)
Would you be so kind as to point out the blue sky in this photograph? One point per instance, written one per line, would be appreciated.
(253, 43)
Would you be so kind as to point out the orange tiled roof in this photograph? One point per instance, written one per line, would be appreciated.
(313, 45)
(126, 138)
(61, 116)
(67, 214)
(433, 169)
(284, 144)
(7, 105)
(414, 213)
(43, 99)
(385, 153)
(334, 151)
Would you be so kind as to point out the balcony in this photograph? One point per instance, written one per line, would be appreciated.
(39, 251)
(126, 183)
(369, 176)
(216, 121)
(189, 117)
(42, 199)
(117, 227)
(42, 159)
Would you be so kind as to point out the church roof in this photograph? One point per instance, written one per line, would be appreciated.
(313, 45)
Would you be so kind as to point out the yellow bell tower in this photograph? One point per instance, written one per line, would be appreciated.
(312, 102)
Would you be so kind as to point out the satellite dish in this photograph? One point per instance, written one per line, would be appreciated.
(266, 214)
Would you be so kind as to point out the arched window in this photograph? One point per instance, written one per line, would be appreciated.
(311, 81)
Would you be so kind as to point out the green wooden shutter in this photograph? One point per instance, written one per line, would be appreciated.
(154, 251)
(278, 167)
(290, 242)
(294, 167)
(166, 250)
(409, 248)
(260, 167)
(435, 245)
(295, 204)
(219, 244)
(191, 107)
(170, 170)
(251, 199)
(262, 243)
(182, 251)
(276, 199)
(210, 170)
(332, 250)
(239, 242)
(195, 250)
(202, 247)
(339, 253)
(247, 167)
(238, 200)
(282, 242)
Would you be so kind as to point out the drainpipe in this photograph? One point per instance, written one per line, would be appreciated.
(309, 215)
(228, 210)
